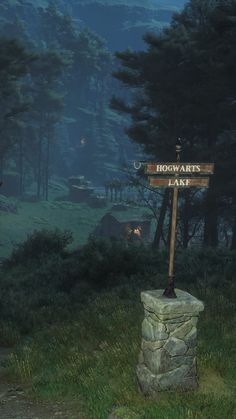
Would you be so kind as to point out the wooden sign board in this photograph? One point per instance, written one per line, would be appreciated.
(179, 168)
(200, 182)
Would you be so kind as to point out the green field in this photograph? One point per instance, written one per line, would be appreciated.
(80, 219)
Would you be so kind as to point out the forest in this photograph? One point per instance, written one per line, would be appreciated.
(88, 88)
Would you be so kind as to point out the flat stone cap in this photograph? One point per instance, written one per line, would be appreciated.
(184, 303)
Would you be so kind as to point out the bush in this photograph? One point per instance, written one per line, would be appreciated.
(218, 264)
(42, 283)
(103, 261)
(40, 244)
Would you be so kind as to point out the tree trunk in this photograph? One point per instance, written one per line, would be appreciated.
(211, 220)
(47, 166)
(39, 168)
(21, 166)
(160, 223)
(186, 219)
(233, 242)
(1, 167)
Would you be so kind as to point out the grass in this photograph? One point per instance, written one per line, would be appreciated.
(93, 359)
(80, 219)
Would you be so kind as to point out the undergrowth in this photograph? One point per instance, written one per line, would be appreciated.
(82, 341)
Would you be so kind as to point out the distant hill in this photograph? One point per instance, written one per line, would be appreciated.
(122, 23)
(148, 4)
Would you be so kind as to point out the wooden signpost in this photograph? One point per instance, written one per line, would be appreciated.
(184, 177)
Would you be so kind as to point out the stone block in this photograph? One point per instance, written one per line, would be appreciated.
(171, 379)
(166, 318)
(152, 345)
(175, 346)
(145, 379)
(154, 360)
(169, 338)
(182, 330)
(184, 304)
(192, 351)
(153, 332)
(140, 357)
(191, 338)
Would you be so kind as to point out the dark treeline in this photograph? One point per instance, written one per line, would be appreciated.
(55, 82)
(184, 86)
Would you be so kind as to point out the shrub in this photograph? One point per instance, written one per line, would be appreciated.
(219, 264)
(103, 261)
(39, 244)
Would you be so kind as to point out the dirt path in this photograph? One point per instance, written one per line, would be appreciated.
(14, 403)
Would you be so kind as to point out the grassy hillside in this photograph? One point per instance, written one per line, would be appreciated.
(80, 219)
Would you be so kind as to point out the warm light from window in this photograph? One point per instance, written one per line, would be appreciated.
(137, 231)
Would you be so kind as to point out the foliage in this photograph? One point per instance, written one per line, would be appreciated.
(204, 263)
(41, 244)
(183, 86)
(103, 262)
(42, 281)
(15, 64)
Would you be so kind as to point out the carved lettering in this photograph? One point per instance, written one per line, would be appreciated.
(205, 168)
(179, 182)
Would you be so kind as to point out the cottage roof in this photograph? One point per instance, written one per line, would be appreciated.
(125, 218)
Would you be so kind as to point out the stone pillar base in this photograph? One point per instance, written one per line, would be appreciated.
(167, 360)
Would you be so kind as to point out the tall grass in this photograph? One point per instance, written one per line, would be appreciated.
(93, 359)
(80, 315)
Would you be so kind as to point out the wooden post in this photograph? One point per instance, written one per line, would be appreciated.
(183, 178)
(170, 291)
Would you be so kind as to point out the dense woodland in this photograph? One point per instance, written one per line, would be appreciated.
(70, 310)
(185, 86)
(58, 115)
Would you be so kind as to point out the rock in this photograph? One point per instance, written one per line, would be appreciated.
(171, 326)
(160, 361)
(171, 379)
(154, 360)
(182, 330)
(175, 346)
(145, 378)
(140, 357)
(191, 351)
(167, 318)
(153, 332)
(191, 338)
(152, 345)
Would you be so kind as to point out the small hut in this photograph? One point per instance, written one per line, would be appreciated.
(122, 226)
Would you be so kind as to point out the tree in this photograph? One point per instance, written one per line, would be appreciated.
(183, 85)
(14, 67)
(47, 104)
